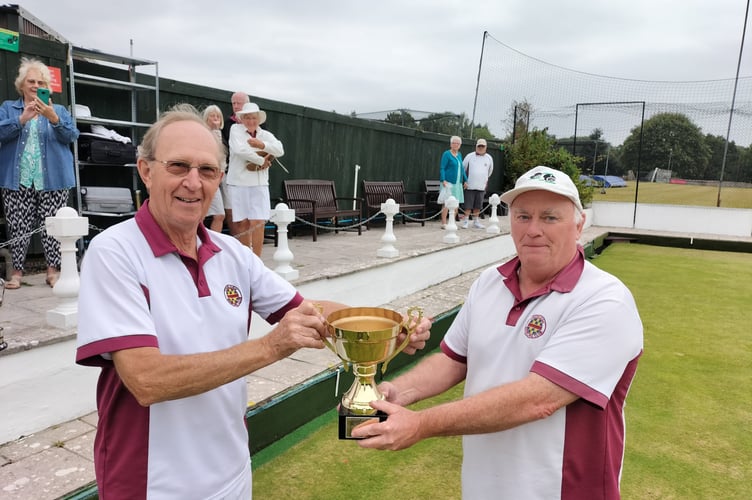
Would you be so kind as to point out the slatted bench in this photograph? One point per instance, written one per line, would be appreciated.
(431, 189)
(316, 201)
(377, 192)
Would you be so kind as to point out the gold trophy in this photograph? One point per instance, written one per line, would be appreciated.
(365, 337)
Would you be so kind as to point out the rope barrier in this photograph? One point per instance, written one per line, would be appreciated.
(97, 229)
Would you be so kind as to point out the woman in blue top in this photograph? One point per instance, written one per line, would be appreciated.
(36, 166)
(453, 176)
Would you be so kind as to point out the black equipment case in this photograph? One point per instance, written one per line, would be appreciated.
(94, 149)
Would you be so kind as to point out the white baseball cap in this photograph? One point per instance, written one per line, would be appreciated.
(544, 179)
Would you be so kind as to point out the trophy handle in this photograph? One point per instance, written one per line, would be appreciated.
(328, 343)
(411, 315)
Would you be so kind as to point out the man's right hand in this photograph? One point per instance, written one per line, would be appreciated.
(301, 327)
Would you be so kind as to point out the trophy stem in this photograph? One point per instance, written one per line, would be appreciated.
(357, 399)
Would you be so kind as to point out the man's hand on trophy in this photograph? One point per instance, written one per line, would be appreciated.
(300, 327)
(419, 336)
(400, 430)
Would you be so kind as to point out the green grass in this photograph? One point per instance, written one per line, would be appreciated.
(688, 413)
(678, 194)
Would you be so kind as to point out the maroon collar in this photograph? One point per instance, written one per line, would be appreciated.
(161, 245)
(563, 282)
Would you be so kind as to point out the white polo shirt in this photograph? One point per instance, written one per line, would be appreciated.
(138, 291)
(582, 333)
(478, 169)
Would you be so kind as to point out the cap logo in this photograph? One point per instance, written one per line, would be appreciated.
(233, 295)
(547, 177)
(535, 327)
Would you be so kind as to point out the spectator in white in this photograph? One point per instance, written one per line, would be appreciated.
(478, 167)
(252, 150)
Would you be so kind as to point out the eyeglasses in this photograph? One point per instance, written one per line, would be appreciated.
(480, 146)
(181, 168)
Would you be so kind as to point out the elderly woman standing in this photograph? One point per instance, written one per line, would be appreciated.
(36, 166)
(252, 150)
(453, 176)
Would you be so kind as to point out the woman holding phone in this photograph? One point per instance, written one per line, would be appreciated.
(36, 166)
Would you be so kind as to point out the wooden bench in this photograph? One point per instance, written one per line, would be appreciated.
(316, 201)
(431, 190)
(377, 192)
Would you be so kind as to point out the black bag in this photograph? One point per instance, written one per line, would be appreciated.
(105, 151)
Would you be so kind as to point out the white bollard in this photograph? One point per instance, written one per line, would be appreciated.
(390, 209)
(66, 227)
(450, 234)
(493, 226)
(282, 216)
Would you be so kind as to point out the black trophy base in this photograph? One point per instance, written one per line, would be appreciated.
(348, 421)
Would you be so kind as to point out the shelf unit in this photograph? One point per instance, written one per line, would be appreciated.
(127, 66)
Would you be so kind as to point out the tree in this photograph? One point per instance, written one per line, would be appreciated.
(669, 141)
(745, 165)
(518, 121)
(717, 145)
(401, 117)
(539, 148)
(596, 154)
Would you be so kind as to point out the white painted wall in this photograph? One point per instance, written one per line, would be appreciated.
(674, 218)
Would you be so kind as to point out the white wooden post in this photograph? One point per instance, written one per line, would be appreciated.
(450, 234)
(493, 226)
(390, 209)
(66, 227)
(282, 216)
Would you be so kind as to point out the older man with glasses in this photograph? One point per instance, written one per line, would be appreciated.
(164, 311)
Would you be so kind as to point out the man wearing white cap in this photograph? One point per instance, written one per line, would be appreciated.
(252, 150)
(547, 345)
(478, 167)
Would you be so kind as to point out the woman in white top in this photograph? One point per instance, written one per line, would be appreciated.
(252, 150)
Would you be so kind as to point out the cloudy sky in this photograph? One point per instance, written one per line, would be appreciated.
(360, 56)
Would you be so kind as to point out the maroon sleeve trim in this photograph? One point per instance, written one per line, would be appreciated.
(276, 316)
(571, 384)
(451, 354)
(91, 354)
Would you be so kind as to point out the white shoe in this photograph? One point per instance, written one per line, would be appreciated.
(478, 225)
(443, 226)
(466, 224)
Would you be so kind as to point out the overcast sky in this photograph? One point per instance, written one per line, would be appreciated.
(361, 56)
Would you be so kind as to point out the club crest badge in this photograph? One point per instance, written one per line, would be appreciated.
(535, 327)
(233, 295)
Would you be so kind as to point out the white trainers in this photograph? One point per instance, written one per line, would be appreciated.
(465, 224)
(478, 225)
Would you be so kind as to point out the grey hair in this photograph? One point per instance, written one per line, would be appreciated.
(213, 108)
(27, 64)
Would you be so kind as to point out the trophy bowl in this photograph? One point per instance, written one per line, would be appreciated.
(364, 337)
